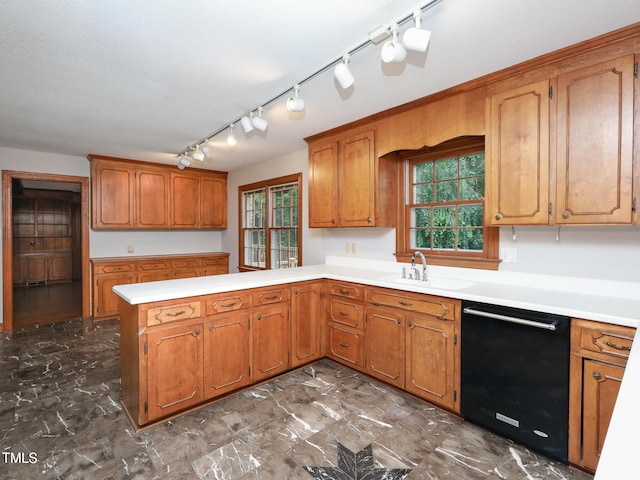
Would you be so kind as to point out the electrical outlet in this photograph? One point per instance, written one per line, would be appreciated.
(129, 248)
(509, 255)
(353, 248)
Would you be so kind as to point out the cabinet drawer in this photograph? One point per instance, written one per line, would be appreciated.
(115, 268)
(610, 340)
(350, 290)
(187, 262)
(442, 308)
(346, 345)
(155, 265)
(346, 313)
(214, 270)
(172, 313)
(275, 295)
(222, 261)
(227, 302)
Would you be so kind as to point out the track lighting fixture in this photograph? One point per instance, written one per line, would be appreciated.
(196, 154)
(295, 103)
(415, 38)
(246, 123)
(392, 50)
(206, 149)
(183, 162)
(259, 122)
(342, 73)
(231, 138)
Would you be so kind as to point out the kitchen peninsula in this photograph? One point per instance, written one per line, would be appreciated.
(189, 306)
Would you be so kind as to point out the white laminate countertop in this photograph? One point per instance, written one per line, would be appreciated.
(602, 300)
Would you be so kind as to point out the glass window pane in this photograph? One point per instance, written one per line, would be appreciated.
(472, 164)
(447, 191)
(444, 216)
(423, 193)
(444, 238)
(421, 238)
(470, 239)
(421, 217)
(472, 188)
(470, 215)
(447, 168)
(423, 172)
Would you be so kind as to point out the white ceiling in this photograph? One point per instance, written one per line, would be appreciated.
(146, 79)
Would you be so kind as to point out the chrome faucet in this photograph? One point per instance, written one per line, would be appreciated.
(424, 265)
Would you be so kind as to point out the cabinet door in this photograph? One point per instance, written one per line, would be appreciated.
(19, 263)
(270, 339)
(594, 144)
(323, 185)
(213, 207)
(385, 345)
(112, 196)
(37, 268)
(307, 318)
(518, 156)
(356, 156)
(185, 201)
(60, 267)
(154, 276)
(226, 353)
(152, 199)
(174, 369)
(601, 383)
(431, 360)
(105, 301)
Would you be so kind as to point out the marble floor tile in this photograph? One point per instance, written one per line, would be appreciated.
(60, 418)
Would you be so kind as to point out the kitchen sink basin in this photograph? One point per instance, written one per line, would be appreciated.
(436, 283)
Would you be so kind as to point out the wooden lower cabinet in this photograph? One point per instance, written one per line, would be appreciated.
(599, 353)
(270, 339)
(345, 323)
(346, 345)
(432, 360)
(226, 353)
(174, 357)
(105, 301)
(307, 323)
(385, 345)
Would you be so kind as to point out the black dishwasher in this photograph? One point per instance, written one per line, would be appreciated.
(515, 375)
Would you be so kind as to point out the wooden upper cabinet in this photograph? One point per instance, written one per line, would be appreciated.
(348, 185)
(112, 195)
(323, 185)
(152, 198)
(185, 201)
(595, 144)
(128, 195)
(357, 180)
(213, 206)
(517, 145)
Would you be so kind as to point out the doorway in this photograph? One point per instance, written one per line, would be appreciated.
(45, 248)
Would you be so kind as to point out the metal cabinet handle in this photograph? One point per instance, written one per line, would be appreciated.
(344, 314)
(344, 291)
(197, 331)
(410, 324)
(259, 317)
(498, 217)
(617, 346)
(597, 375)
(369, 220)
(344, 345)
(227, 305)
(405, 304)
(297, 292)
(398, 321)
(271, 297)
(211, 328)
(176, 314)
(565, 215)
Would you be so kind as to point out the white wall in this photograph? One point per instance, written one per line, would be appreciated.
(110, 243)
(593, 252)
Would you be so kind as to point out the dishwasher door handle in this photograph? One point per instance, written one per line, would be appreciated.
(505, 318)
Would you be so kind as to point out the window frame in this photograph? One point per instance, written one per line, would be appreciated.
(270, 230)
(488, 257)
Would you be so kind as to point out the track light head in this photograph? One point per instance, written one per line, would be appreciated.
(231, 138)
(183, 162)
(206, 149)
(415, 38)
(196, 154)
(295, 103)
(392, 50)
(246, 123)
(259, 122)
(342, 73)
